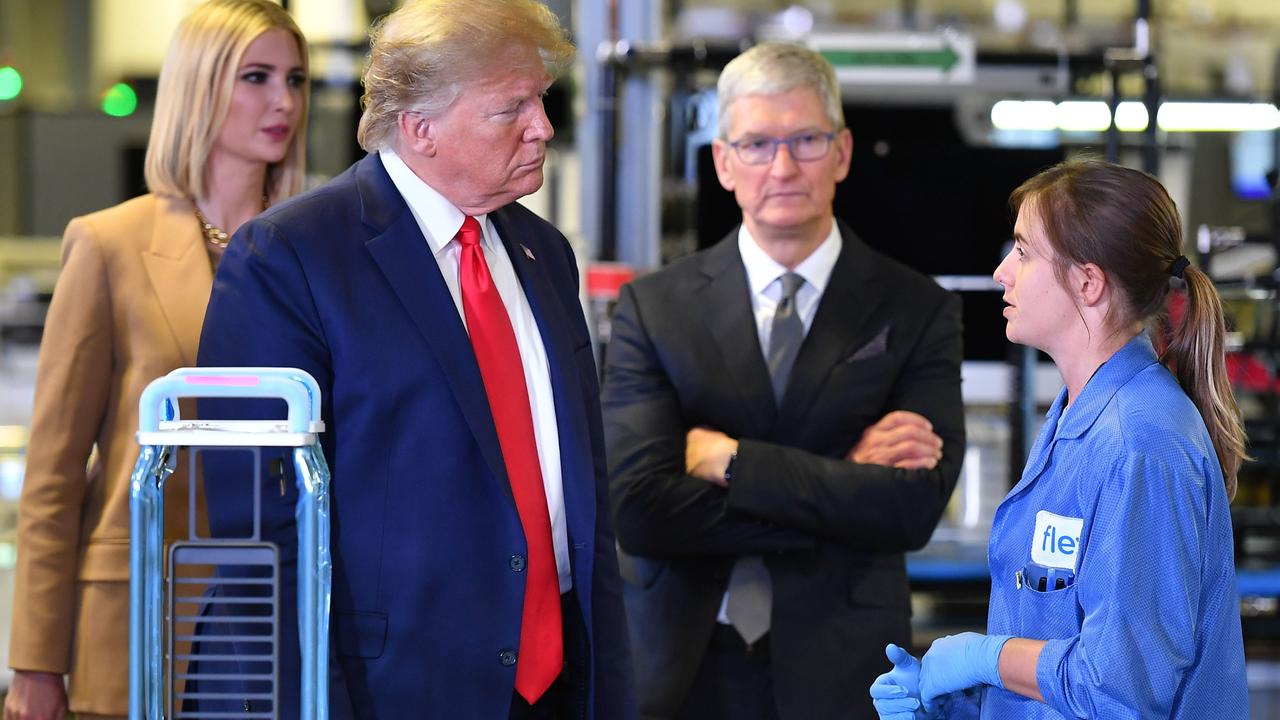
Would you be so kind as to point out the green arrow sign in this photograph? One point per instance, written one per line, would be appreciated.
(943, 58)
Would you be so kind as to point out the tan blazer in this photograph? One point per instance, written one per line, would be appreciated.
(127, 308)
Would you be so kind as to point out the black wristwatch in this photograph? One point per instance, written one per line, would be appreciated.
(728, 469)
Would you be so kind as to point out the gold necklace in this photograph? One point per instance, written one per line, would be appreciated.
(213, 234)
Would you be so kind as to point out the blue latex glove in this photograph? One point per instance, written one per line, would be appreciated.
(896, 694)
(959, 662)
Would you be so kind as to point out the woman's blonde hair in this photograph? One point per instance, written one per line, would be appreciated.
(421, 55)
(1124, 221)
(194, 93)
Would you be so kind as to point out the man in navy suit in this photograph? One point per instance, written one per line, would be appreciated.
(474, 572)
(775, 450)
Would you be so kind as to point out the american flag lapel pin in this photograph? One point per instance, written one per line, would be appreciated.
(527, 252)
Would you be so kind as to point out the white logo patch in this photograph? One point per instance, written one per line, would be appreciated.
(1056, 542)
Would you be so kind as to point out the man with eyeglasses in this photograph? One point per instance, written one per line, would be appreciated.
(783, 420)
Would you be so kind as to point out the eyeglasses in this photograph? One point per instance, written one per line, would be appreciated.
(804, 147)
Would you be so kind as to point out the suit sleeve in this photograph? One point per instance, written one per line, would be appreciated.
(658, 510)
(868, 507)
(262, 313)
(612, 677)
(73, 381)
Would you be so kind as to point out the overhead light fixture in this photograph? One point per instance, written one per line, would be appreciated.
(1210, 117)
(1131, 116)
(1082, 115)
(1024, 115)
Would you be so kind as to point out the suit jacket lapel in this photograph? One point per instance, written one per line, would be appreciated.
(178, 267)
(849, 299)
(544, 304)
(405, 259)
(571, 420)
(725, 304)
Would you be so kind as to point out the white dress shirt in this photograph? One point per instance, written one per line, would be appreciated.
(440, 222)
(764, 281)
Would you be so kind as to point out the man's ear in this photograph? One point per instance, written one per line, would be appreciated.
(417, 133)
(842, 146)
(1089, 283)
(720, 154)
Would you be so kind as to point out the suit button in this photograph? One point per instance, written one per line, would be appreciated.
(516, 563)
(507, 658)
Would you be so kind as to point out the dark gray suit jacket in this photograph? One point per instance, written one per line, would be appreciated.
(685, 352)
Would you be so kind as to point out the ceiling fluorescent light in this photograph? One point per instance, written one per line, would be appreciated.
(1131, 116)
(1211, 117)
(1083, 116)
(1024, 115)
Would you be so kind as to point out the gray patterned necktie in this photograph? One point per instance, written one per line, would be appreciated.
(750, 589)
(750, 598)
(785, 336)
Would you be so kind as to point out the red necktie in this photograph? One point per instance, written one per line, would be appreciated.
(541, 642)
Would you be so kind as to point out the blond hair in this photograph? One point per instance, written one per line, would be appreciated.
(774, 68)
(421, 55)
(196, 82)
(1124, 221)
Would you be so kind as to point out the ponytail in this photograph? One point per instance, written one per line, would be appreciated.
(1195, 356)
(1124, 221)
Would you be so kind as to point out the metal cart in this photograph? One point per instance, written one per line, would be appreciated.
(247, 570)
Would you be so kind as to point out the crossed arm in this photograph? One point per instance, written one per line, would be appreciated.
(884, 494)
(901, 439)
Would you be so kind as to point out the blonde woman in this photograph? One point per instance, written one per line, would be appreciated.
(128, 307)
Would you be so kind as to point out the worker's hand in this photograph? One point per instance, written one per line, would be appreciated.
(35, 696)
(901, 439)
(896, 694)
(959, 662)
(707, 453)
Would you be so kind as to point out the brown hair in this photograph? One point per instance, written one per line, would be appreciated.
(1124, 221)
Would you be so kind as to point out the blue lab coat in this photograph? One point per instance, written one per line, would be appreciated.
(1124, 488)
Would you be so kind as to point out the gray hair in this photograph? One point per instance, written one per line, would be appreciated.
(774, 68)
(422, 55)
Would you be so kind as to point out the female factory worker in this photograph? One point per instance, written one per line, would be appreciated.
(227, 139)
(1113, 586)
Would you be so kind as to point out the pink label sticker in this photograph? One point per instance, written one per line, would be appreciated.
(235, 380)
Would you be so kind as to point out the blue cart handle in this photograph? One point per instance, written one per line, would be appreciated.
(296, 387)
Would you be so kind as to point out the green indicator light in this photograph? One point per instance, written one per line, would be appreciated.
(120, 100)
(10, 83)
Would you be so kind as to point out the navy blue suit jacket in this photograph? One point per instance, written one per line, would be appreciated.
(426, 599)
